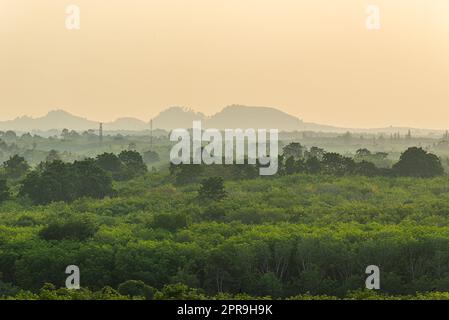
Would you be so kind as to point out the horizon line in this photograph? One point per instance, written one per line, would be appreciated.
(187, 109)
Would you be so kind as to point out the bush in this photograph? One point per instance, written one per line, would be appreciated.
(136, 288)
(169, 221)
(79, 228)
(179, 291)
(212, 189)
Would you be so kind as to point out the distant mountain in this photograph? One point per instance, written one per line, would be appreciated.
(57, 119)
(235, 116)
(132, 124)
(176, 117)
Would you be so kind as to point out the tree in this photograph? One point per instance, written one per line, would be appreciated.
(91, 181)
(4, 191)
(347, 137)
(179, 291)
(59, 181)
(293, 166)
(133, 162)
(212, 189)
(294, 150)
(334, 163)
(52, 155)
(316, 152)
(16, 167)
(360, 153)
(313, 165)
(290, 167)
(151, 156)
(10, 135)
(366, 168)
(111, 163)
(3, 145)
(244, 171)
(136, 288)
(268, 285)
(186, 173)
(73, 228)
(54, 182)
(169, 221)
(416, 162)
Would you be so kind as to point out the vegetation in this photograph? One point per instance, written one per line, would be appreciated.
(212, 189)
(4, 191)
(224, 232)
(59, 181)
(415, 162)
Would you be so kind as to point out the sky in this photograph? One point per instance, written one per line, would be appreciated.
(314, 59)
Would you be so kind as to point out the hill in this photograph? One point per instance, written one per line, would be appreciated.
(234, 116)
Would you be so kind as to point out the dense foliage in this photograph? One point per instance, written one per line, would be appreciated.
(217, 232)
(127, 165)
(416, 162)
(4, 191)
(59, 181)
(280, 237)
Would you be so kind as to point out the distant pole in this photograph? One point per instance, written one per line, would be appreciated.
(101, 132)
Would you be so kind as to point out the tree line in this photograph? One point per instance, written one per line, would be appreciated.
(55, 180)
(413, 162)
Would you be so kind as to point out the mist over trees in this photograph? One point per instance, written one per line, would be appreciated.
(220, 231)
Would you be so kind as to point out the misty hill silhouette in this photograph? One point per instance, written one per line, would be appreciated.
(235, 116)
(127, 124)
(57, 119)
(176, 117)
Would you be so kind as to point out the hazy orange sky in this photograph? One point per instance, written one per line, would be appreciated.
(311, 58)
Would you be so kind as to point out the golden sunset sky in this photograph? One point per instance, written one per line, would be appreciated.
(314, 59)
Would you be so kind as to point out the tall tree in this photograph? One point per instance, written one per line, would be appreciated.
(293, 149)
(59, 181)
(133, 162)
(416, 162)
(16, 167)
(212, 189)
(313, 165)
(111, 163)
(52, 155)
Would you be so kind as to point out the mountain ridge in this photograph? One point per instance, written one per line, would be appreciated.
(232, 116)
